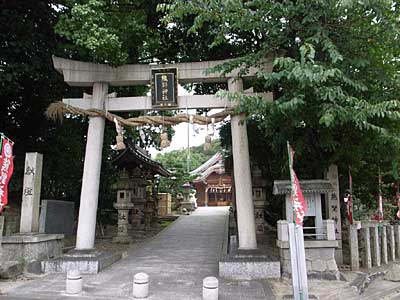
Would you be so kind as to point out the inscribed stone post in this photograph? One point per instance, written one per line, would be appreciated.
(376, 251)
(392, 250)
(31, 193)
(333, 204)
(354, 254)
(367, 257)
(384, 246)
(397, 240)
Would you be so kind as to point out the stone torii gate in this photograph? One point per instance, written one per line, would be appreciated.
(101, 76)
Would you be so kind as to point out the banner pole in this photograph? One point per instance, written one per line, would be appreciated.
(6, 137)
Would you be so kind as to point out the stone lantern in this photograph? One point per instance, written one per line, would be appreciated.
(123, 205)
(186, 203)
(139, 200)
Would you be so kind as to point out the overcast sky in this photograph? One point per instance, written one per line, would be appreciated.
(197, 136)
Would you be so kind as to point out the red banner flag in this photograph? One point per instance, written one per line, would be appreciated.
(379, 214)
(296, 197)
(6, 170)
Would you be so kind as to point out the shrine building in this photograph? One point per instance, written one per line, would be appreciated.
(213, 184)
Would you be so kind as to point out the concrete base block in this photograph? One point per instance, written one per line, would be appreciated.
(29, 247)
(11, 269)
(85, 261)
(249, 266)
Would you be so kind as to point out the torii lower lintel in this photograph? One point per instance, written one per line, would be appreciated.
(143, 103)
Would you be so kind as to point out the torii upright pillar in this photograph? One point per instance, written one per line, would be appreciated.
(242, 176)
(85, 236)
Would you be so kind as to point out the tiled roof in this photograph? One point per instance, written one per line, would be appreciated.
(282, 187)
(133, 156)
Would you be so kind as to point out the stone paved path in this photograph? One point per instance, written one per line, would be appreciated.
(177, 260)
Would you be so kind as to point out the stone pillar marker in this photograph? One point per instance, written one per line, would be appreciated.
(241, 169)
(384, 246)
(392, 253)
(354, 254)
(31, 193)
(376, 251)
(367, 258)
(91, 172)
(333, 208)
(397, 240)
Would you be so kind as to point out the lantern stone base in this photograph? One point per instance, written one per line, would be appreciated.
(84, 261)
(187, 205)
(122, 239)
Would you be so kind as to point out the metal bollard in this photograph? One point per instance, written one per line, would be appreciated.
(210, 288)
(73, 282)
(140, 285)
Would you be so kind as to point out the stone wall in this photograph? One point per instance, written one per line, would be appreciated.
(320, 254)
(320, 263)
(11, 224)
(34, 247)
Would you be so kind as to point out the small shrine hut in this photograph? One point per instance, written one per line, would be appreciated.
(136, 190)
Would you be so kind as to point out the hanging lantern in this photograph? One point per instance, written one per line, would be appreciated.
(120, 136)
(120, 142)
(212, 126)
(164, 140)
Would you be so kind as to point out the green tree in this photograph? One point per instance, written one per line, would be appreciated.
(176, 162)
(28, 84)
(335, 80)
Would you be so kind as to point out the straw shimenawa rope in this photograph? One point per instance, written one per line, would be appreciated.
(57, 110)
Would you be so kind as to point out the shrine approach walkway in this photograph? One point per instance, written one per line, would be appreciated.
(177, 260)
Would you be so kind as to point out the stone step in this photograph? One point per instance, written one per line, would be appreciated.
(87, 262)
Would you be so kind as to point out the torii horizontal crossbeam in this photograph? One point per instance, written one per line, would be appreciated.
(124, 104)
(78, 73)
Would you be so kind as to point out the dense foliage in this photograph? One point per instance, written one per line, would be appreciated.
(29, 83)
(335, 81)
(177, 162)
